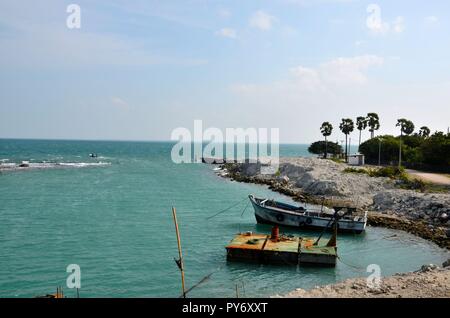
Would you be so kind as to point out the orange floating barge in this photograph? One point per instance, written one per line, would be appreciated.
(283, 250)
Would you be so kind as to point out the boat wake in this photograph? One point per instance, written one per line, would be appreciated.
(25, 165)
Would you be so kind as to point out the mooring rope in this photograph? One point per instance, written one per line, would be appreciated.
(242, 214)
(359, 268)
(243, 211)
(203, 280)
(224, 210)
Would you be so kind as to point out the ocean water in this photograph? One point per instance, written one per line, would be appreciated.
(111, 215)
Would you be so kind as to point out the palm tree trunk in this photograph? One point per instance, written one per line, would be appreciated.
(400, 150)
(326, 147)
(359, 143)
(346, 158)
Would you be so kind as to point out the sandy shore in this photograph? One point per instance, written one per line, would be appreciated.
(425, 283)
(311, 180)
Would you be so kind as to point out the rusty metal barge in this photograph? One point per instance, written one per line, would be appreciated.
(282, 249)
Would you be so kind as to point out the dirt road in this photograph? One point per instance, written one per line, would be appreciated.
(430, 177)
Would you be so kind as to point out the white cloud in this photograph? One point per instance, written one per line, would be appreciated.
(398, 25)
(227, 32)
(336, 89)
(40, 39)
(313, 84)
(262, 20)
(338, 72)
(348, 70)
(120, 103)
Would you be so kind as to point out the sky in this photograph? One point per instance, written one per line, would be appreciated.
(137, 70)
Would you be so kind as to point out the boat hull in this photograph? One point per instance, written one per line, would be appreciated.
(266, 215)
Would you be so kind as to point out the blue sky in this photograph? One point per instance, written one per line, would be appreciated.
(136, 70)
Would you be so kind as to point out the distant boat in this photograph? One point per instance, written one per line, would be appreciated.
(93, 155)
(24, 164)
(274, 212)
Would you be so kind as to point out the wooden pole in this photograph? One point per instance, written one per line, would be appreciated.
(180, 263)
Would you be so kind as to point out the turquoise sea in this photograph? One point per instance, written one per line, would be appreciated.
(111, 215)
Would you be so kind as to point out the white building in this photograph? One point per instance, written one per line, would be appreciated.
(356, 160)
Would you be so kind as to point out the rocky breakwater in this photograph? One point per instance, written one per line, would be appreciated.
(316, 180)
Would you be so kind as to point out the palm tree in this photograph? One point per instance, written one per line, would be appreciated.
(407, 128)
(373, 121)
(424, 132)
(326, 130)
(346, 127)
(361, 124)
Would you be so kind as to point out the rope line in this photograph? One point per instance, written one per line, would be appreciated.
(359, 268)
(224, 210)
(243, 211)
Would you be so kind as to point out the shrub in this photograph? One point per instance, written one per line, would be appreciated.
(436, 149)
(389, 149)
(318, 147)
(354, 170)
(389, 172)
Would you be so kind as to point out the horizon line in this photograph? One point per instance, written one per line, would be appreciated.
(125, 140)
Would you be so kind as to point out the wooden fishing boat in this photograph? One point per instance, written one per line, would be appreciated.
(275, 212)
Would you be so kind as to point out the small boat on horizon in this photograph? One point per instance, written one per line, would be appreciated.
(275, 212)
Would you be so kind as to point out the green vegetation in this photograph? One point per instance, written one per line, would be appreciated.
(319, 147)
(361, 124)
(326, 130)
(346, 127)
(389, 172)
(421, 150)
(407, 128)
(430, 153)
(395, 173)
(373, 121)
(435, 150)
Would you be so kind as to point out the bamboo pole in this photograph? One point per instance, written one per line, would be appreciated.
(180, 262)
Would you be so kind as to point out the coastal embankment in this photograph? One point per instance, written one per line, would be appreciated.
(428, 282)
(313, 180)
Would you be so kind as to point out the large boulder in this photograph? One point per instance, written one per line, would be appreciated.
(250, 169)
(446, 263)
(323, 187)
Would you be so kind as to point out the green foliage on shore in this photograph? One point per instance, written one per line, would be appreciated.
(417, 149)
(435, 149)
(389, 172)
(394, 173)
(319, 147)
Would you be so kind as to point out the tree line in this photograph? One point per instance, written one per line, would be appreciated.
(411, 149)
